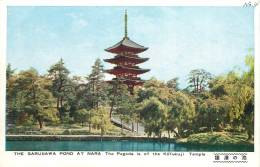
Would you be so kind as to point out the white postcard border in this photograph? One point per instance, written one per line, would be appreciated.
(10, 160)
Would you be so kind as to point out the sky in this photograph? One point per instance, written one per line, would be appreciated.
(180, 39)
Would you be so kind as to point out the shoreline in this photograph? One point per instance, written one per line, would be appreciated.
(111, 138)
(83, 138)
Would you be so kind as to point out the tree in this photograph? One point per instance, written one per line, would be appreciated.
(248, 79)
(76, 98)
(101, 120)
(213, 113)
(155, 88)
(198, 80)
(217, 86)
(242, 101)
(11, 92)
(90, 117)
(173, 84)
(134, 113)
(61, 87)
(181, 113)
(34, 98)
(169, 95)
(125, 109)
(118, 93)
(81, 116)
(237, 89)
(122, 103)
(96, 86)
(9, 71)
(153, 113)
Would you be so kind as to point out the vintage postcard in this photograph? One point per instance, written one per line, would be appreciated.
(115, 84)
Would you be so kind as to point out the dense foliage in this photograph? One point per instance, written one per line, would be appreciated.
(209, 103)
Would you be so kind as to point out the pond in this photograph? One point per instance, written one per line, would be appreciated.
(121, 145)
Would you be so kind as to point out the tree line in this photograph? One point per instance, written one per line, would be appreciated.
(208, 103)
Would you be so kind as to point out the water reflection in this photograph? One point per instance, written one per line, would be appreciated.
(117, 146)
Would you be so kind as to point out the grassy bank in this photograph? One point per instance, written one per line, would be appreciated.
(64, 129)
(216, 138)
(83, 138)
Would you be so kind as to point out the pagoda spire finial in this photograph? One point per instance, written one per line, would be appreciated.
(125, 23)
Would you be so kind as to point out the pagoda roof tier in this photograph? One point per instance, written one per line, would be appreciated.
(133, 59)
(128, 81)
(122, 69)
(127, 78)
(126, 45)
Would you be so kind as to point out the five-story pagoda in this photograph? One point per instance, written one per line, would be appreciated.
(126, 61)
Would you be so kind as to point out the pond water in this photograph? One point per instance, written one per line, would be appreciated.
(117, 146)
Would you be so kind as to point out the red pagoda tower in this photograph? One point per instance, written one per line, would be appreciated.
(126, 60)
